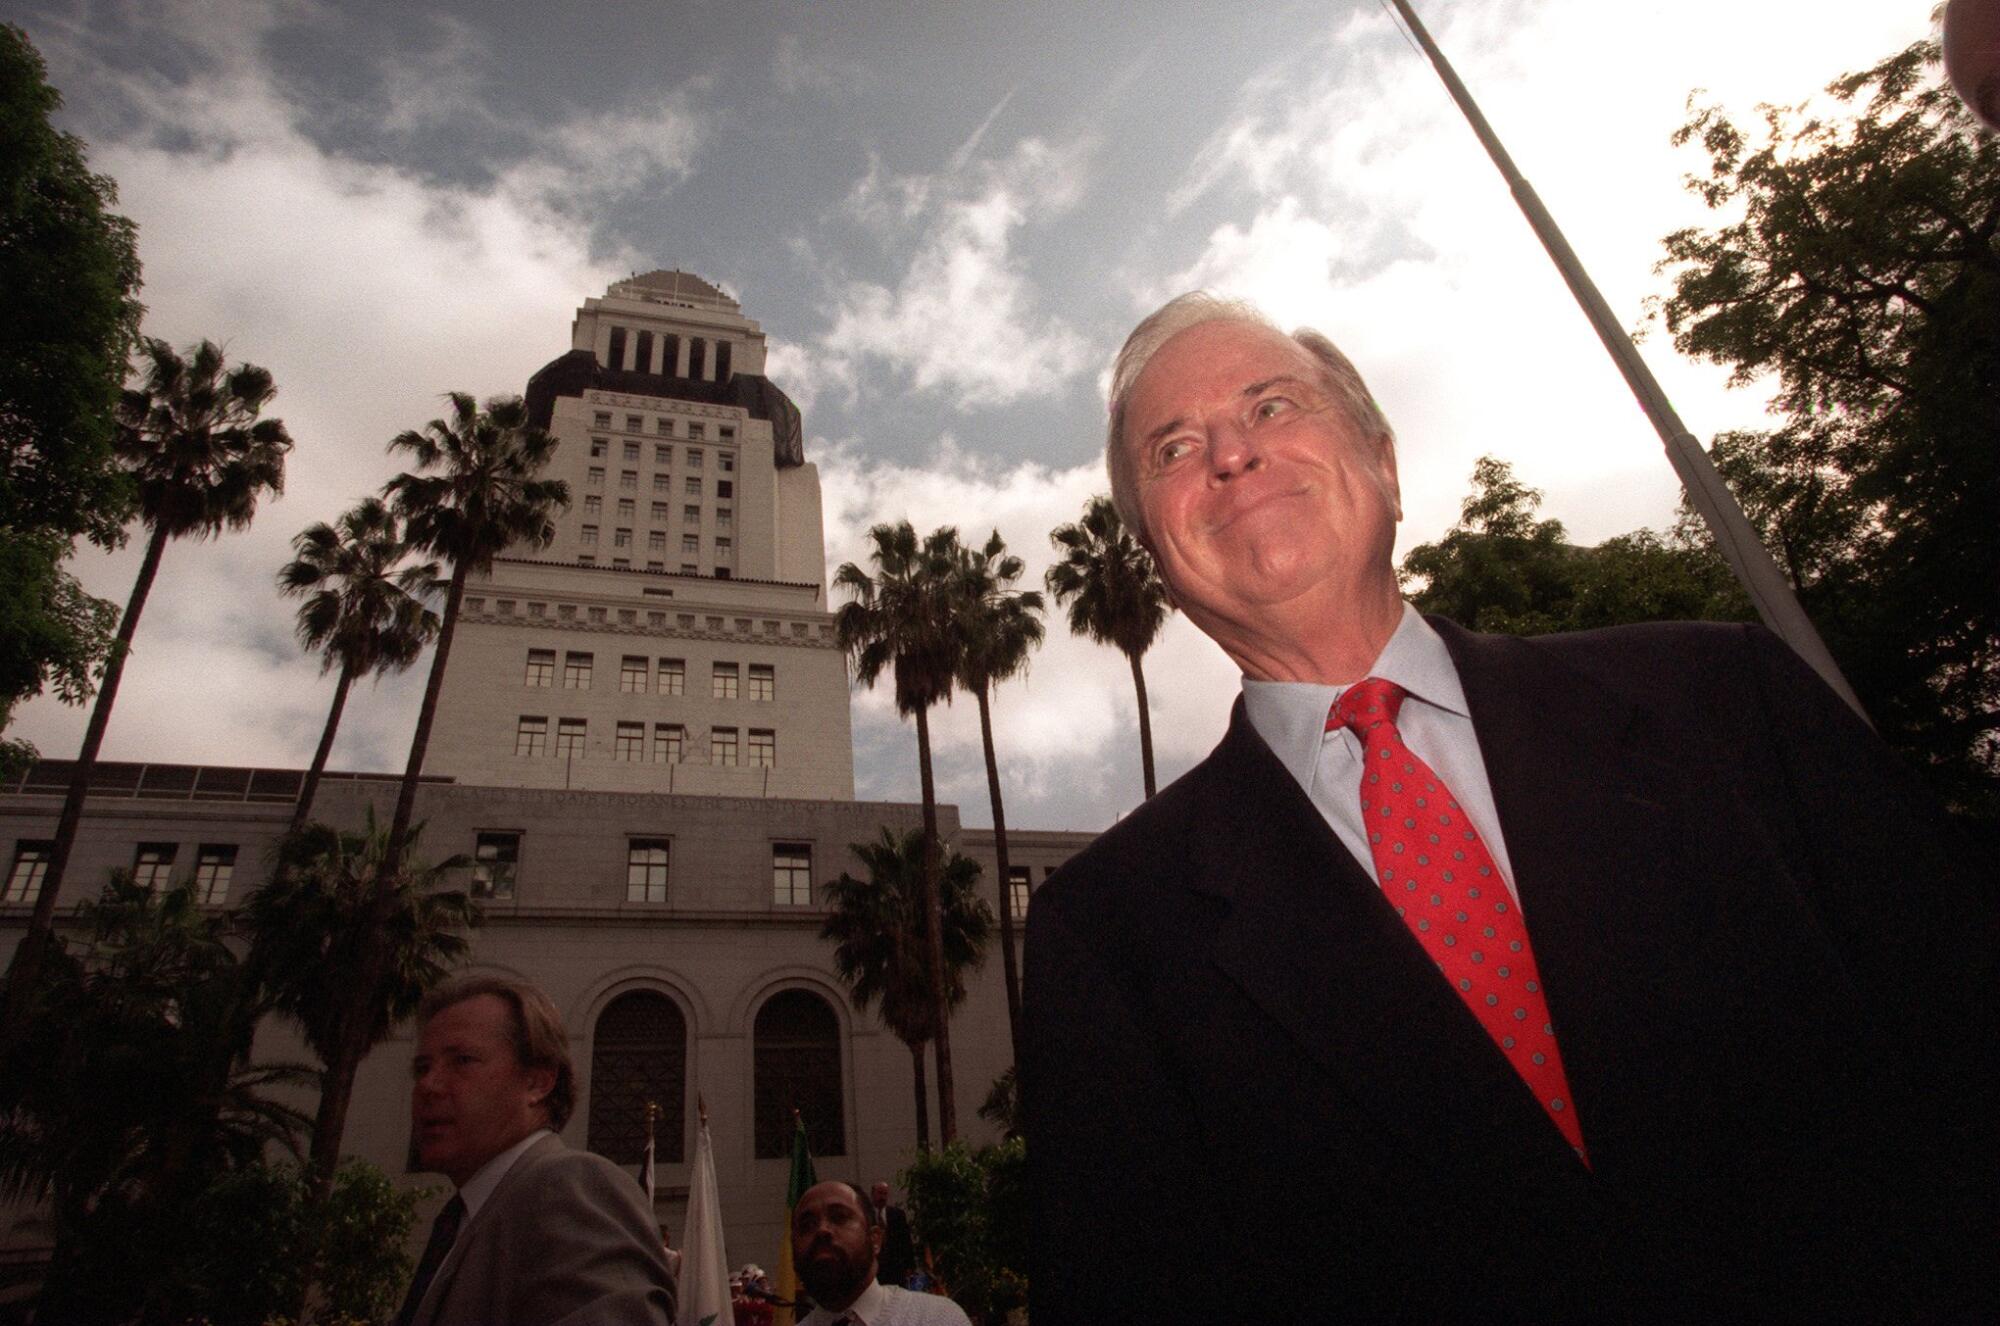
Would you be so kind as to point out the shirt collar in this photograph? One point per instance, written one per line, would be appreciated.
(481, 1185)
(866, 1309)
(1291, 715)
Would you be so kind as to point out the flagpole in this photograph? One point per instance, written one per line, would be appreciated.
(1734, 537)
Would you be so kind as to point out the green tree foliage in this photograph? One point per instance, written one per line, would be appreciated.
(900, 620)
(1501, 569)
(69, 277)
(314, 922)
(363, 610)
(132, 1091)
(970, 1209)
(1115, 597)
(879, 930)
(1858, 270)
(998, 627)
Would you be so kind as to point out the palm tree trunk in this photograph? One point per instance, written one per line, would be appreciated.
(923, 1096)
(303, 811)
(356, 1033)
(1006, 878)
(934, 939)
(1145, 727)
(26, 971)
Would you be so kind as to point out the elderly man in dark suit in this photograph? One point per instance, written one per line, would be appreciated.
(1616, 976)
(536, 1234)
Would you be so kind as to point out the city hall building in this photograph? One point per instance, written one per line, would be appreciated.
(643, 745)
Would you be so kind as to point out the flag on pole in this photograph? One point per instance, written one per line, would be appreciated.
(803, 1177)
(704, 1286)
(647, 1179)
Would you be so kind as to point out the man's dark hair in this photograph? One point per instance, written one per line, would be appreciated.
(540, 1040)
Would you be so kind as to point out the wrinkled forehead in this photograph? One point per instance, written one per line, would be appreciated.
(1212, 363)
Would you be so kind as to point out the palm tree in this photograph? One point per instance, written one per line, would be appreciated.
(877, 926)
(483, 499)
(998, 627)
(200, 459)
(1114, 595)
(359, 610)
(900, 620)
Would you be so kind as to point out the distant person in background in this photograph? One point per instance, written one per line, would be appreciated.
(537, 1234)
(673, 1254)
(899, 1249)
(835, 1246)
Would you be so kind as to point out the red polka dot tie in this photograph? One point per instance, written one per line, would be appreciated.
(1435, 871)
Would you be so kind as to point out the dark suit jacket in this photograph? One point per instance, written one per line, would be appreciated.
(899, 1249)
(566, 1238)
(1248, 1091)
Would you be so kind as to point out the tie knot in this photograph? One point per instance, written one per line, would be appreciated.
(1365, 704)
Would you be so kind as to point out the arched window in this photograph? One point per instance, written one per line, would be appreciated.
(798, 1068)
(638, 1054)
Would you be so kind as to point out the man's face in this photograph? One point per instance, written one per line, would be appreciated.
(880, 1194)
(470, 1097)
(1255, 487)
(833, 1245)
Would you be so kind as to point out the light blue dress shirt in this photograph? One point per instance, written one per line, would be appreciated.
(1291, 718)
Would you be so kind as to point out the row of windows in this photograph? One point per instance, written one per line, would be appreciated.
(628, 509)
(637, 677)
(656, 541)
(496, 861)
(641, 359)
(663, 453)
(531, 739)
(684, 621)
(628, 481)
(152, 868)
(638, 1057)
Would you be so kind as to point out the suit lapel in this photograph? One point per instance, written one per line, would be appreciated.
(465, 1246)
(1311, 940)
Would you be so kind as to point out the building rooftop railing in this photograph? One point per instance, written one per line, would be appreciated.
(182, 782)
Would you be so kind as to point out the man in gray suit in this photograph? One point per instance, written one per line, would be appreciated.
(536, 1233)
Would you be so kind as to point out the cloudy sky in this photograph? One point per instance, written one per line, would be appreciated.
(945, 217)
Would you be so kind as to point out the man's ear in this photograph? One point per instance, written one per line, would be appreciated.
(1391, 485)
(875, 1233)
(543, 1081)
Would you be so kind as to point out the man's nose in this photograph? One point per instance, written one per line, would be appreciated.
(1232, 451)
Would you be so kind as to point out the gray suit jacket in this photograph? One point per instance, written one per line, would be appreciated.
(565, 1238)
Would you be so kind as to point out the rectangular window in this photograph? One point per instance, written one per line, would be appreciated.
(791, 874)
(662, 453)
(631, 743)
(673, 676)
(690, 569)
(659, 512)
(723, 547)
(722, 573)
(696, 430)
(690, 545)
(629, 453)
(646, 870)
(669, 740)
(152, 863)
(656, 566)
(602, 419)
(665, 425)
(570, 736)
(599, 447)
(723, 684)
(656, 540)
(593, 506)
(725, 488)
(725, 518)
(1017, 891)
(692, 487)
(214, 863)
(596, 476)
(633, 678)
(726, 462)
(635, 423)
(31, 863)
(587, 536)
(695, 454)
(643, 360)
(616, 352)
(629, 479)
(495, 859)
(763, 681)
(576, 672)
(763, 748)
(541, 667)
(531, 735)
(663, 483)
(726, 432)
(621, 538)
(691, 513)
(722, 745)
(628, 508)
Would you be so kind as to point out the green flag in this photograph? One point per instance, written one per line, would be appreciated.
(803, 1177)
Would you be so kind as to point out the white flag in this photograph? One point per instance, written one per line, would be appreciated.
(647, 1179)
(704, 1286)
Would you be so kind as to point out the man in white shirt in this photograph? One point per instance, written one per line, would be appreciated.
(1617, 974)
(536, 1234)
(835, 1243)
